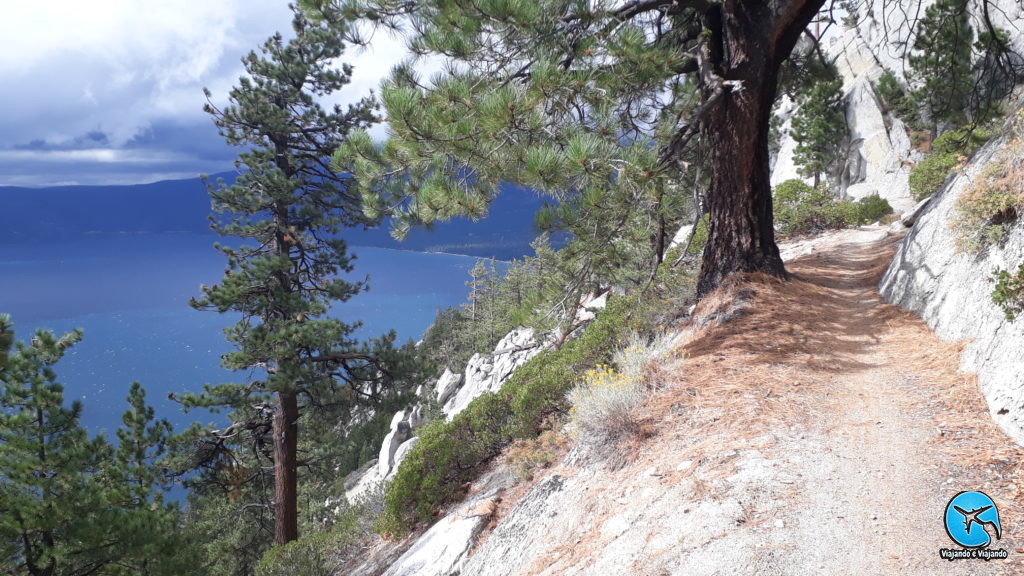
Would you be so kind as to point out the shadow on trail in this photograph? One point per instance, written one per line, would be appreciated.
(825, 318)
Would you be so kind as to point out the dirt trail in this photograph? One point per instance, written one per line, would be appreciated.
(893, 431)
(808, 428)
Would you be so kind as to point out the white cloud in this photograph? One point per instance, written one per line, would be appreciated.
(70, 67)
(98, 155)
(119, 68)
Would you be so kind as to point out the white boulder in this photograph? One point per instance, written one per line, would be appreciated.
(447, 384)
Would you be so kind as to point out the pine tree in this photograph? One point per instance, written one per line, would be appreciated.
(996, 73)
(70, 505)
(595, 104)
(819, 129)
(149, 529)
(48, 506)
(287, 209)
(940, 64)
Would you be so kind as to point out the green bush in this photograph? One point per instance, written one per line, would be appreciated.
(872, 208)
(320, 552)
(1009, 292)
(803, 209)
(929, 174)
(450, 454)
(961, 141)
(949, 150)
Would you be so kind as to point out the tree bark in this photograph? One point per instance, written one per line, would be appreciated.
(749, 41)
(286, 431)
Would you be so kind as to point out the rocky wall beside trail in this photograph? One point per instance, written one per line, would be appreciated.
(952, 293)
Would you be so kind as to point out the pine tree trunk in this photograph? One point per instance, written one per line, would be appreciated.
(285, 429)
(753, 39)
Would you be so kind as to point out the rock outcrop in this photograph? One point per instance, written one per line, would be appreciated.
(396, 445)
(951, 291)
(484, 373)
(487, 372)
(444, 548)
(879, 154)
(447, 384)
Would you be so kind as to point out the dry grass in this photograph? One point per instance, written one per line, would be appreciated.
(526, 457)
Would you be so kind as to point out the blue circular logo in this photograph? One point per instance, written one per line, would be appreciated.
(972, 519)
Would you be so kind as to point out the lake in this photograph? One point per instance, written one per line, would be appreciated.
(130, 293)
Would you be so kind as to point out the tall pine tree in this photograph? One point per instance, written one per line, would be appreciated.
(819, 128)
(940, 64)
(595, 103)
(286, 209)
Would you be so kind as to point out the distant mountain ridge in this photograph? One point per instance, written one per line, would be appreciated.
(63, 213)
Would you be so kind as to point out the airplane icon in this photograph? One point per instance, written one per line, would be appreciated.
(971, 517)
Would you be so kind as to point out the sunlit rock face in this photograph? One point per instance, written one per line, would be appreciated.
(952, 293)
(487, 372)
(879, 153)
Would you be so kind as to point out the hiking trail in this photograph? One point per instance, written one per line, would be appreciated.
(809, 428)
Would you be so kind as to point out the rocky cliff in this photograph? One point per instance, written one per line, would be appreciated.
(951, 291)
(485, 372)
(879, 154)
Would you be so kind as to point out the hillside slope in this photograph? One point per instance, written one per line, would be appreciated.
(813, 430)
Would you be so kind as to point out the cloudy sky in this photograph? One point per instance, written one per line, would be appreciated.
(111, 91)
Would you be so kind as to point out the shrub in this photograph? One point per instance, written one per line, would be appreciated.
(635, 359)
(450, 454)
(1009, 292)
(929, 174)
(604, 406)
(949, 150)
(527, 455)
(605, 402)
(802, 209)
(961, 141)
(985, 213)
(872, 208)
(319, 552)
(306, 556)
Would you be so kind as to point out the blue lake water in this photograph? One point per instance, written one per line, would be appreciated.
(130, 293)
